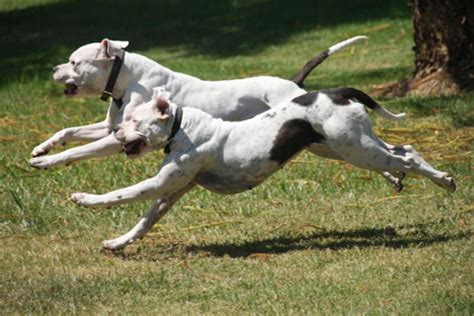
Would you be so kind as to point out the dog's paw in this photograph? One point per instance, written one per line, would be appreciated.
(114, 244)
(41, 150)
(43, 162)
(398, 185)
(83, 199)
(446, 182)
(449, 185)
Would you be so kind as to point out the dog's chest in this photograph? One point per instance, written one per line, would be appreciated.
(227, 183)
(236, 176)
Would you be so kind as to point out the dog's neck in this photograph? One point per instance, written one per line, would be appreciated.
(140, 69)
(175, 127)
(123, 81)
(112, 78)
(196, 128)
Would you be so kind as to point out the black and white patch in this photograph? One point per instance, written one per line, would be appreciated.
(342, 96)
(292, 137)
(306, 99)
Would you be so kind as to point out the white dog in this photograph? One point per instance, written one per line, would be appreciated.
(231, 157)
(130, 82)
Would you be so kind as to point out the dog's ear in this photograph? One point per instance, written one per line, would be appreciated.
(161, 98)
(163, 108)
(110, 48)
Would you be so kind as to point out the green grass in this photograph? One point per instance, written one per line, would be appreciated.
(320, 237)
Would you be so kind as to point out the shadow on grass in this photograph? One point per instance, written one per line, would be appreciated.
(40, 36)
(332, 240)
(396, 238)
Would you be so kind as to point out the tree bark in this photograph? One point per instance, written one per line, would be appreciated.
(444, 48)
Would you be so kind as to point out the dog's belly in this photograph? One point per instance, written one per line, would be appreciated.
(228, 184)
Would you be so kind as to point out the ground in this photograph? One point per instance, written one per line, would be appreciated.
(320, 237)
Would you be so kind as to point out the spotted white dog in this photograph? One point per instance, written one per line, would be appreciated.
(91, 68)
(231, 157)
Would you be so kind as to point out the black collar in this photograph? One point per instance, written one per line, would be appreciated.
(174, 129)
(114, 73)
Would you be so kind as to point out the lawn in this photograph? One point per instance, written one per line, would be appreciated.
(320, 237)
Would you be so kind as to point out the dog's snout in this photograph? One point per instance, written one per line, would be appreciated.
(55, 68)
(119, 134)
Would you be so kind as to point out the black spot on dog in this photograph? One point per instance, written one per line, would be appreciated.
(338, 99)
(306, 99)
(269, 115)
(292, 137)
(341, 96)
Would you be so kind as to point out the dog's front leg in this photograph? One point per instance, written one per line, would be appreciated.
(167, 187)
(171, 178)
(140, 191)
(157, 210)
(103, 147)
(90, 132)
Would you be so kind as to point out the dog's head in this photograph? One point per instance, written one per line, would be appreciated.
(88, 69)
(148, 127)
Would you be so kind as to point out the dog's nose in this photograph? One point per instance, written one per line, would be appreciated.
(55, 68)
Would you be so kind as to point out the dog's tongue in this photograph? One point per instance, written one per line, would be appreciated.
(70, 89)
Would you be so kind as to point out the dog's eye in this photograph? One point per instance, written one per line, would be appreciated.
(73, 62)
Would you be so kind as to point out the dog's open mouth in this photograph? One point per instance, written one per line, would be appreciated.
(134, 148)
(71, 89)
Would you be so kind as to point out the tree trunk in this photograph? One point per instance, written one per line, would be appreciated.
(444, 48)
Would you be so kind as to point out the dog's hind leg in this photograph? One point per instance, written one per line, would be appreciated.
(394, 180)
(323, 150)
(351, 136)
(376, 155)
(417, 164)
(157, 210)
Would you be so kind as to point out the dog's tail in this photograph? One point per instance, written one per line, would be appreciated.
(354, 94)
(313, 63)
